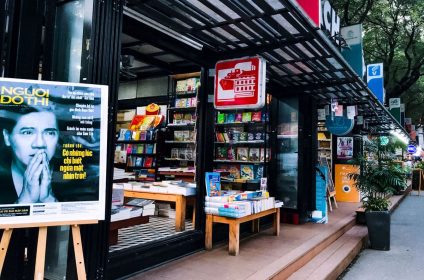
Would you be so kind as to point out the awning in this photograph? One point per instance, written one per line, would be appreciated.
(300, 58)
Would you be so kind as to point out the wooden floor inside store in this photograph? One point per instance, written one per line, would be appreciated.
(262, 255)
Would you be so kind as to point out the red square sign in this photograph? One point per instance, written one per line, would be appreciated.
(240, 83)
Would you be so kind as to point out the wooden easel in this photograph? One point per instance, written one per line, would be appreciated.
(331, 192)
(41, 245)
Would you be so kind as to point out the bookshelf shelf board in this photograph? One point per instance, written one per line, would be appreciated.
(121, 122)
(184, 93)
(241, 142)
(188, 125)
(240, 123)
(241, 181)
(141, 167)
(134, 141)
(238, 161)
(325, 149)
(181, 108)
(182, 174)
(324, 140)
(141, 154)
(179, 142)
(178, 159)
(287, 136)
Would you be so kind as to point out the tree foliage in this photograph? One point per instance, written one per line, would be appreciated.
(394, 35)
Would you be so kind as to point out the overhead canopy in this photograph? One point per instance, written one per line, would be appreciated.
(300, 57)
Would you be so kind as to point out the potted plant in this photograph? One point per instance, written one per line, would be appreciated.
(378, 178)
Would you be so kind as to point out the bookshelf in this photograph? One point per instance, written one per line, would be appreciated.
(324, 142)
(241, 149)
(139, 155)
(180, 137)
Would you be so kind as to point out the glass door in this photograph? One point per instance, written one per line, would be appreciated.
(287, 152)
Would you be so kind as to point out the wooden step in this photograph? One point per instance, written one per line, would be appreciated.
(332, 261)
(285, 266)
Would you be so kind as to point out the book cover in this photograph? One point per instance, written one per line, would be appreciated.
(213, 183)
(220, 118)
(243, 153)
(191, 84)
(231, 117)
(181, 86)
(139, 161)
(234, 171)
(246, 117)
(143, 135)
(219, 137)
(256, 116)
(182, 154)
(148, 162)
(258, 171)
(231, 154)
(246, 172)
(140, 148)
(178, 118)
(185, 135)
(221, 153)
(178, 135)
(149, 149)
(174, 153)
(226, 137)
(238, 117)
(187, 118)
(254, 154)
(189, 154)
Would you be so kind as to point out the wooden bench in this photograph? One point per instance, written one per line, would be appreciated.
(180, 204)
(114, 226)
(234, 227)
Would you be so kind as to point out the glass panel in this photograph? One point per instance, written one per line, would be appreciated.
(70, 61)
(287, 152)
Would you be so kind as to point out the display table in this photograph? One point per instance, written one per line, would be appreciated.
(234, 227)
(180, 204)
(114, 226)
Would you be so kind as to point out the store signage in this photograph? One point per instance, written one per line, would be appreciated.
(339, 126)
(412, 149)
(375, 80)
(345, 185)
(62, 128)
(354, 55)
(394, 108)
(330, 21)
(240, 84)
(312, 8)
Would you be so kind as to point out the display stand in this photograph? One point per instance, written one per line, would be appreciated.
(331, 192)
(41, 245)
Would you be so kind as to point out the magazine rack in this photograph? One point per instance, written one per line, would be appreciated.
(41, 245)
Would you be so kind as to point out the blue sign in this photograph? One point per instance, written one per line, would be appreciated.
(339, 125)
(412, 149)
(375, 80)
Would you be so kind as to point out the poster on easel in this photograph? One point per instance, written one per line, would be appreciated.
(53, 147)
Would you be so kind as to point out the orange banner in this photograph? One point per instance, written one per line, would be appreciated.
(345, 188)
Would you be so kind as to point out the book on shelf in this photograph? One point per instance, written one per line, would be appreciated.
(234, 170)
(213, 183)
(220, 118)
(150, 148)
(221, 153)
(140, 202)
(219, 137)
(243, 153)
(246, 117)
(247, 172)
(231, 153)
(230, 118)
(238, 118)
(148, 162)
(256, 116)
(254, 154)
(181, 86)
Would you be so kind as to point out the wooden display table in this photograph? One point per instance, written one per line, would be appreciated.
(234, 227)
(180, 204)
(114, 226)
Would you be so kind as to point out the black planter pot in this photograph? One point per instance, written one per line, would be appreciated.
(378, 224)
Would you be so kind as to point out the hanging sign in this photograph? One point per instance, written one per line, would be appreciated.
(375, 80)
(240, 84)
(54, 136)
(344, 147)
(339, 126)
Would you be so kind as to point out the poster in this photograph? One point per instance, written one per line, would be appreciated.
(344, 147)
(345, 187)
(53, 147)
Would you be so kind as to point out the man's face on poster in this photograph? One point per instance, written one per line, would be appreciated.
(33, 132)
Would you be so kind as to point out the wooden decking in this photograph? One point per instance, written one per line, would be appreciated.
(308, 251)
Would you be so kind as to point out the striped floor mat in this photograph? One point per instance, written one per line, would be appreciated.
(157, 228)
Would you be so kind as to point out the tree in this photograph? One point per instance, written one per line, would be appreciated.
(394, 35)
